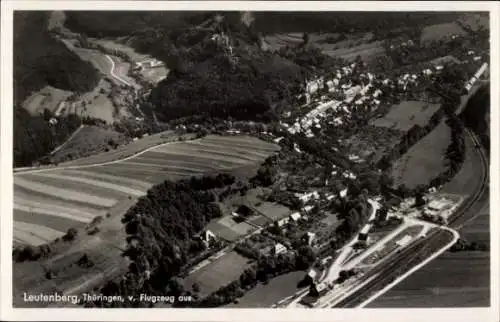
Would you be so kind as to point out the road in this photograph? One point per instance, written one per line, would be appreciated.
(112, 72)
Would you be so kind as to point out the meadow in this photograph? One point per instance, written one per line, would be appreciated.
(423, 161)
(407, 114)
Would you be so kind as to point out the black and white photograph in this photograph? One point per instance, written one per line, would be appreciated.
(237, 159)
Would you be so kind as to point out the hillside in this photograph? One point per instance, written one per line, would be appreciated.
(214, 88)
(41, 60)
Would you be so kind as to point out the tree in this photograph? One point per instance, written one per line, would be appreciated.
(70, 234)
(305, 38)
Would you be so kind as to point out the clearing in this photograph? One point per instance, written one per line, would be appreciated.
(47, 98)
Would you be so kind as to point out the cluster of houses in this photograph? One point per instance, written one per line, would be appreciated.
(365, 94)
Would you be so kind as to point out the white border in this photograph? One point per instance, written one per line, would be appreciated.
(6, 116)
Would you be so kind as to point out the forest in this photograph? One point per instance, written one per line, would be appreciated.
(161, 235)
(41, 60)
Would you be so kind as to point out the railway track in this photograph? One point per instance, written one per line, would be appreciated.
(386, 273)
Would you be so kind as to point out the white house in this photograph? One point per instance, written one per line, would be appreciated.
(308, 208)
(295, 216)
(309, 237)
(282, 221)
(279, 249)
(207, 236)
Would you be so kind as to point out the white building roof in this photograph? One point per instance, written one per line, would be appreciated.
(295, 216)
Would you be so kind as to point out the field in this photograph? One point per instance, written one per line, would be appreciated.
(47, 98)
(407, 114)
(367, 51)
(89, 140)
(273, 211)
(347, 49)
(476, 20)
(113, 45)
(423, 161)
(440, 31)
(218, 273)
(71, 196)
(154, 75)
(265, 295)
(97, 58)
(227, 228)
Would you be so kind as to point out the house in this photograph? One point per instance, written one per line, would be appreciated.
(307, 196)
(308, 208)
(279, 249)
(309, 238)
(282, 222)
(318, 289)
(312, 274)
(278, 140)
(207, 236)
(295, 216)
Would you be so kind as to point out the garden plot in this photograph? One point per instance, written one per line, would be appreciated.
(216, 274)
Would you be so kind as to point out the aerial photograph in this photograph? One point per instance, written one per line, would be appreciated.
(251, 159)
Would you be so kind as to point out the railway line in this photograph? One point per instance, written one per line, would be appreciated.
(387, 273)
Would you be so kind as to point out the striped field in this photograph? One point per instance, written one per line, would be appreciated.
(47, 202)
